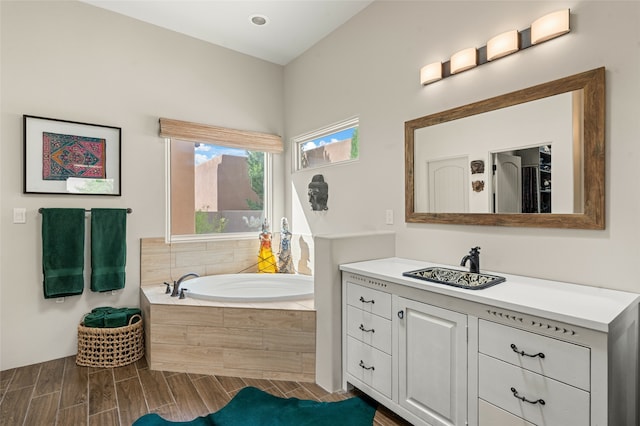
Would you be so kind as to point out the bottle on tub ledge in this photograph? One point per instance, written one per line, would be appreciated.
(285, 263)
(266, 259)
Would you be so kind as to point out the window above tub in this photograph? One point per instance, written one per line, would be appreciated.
(218, 181)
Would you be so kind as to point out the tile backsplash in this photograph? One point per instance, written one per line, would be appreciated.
(160, 261)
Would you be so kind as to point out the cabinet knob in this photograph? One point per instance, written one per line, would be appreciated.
(400, 314)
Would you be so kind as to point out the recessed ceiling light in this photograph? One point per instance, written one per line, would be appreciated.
(259, 20)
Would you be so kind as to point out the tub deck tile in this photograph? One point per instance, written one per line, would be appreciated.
(291, 341)
(263, 318)
(186, 315)
(272, 361)
(225, 337)
(176, 334)
(189, 355)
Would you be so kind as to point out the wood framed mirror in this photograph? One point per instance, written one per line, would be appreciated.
(554, 130)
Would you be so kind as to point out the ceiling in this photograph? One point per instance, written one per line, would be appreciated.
(292, 26)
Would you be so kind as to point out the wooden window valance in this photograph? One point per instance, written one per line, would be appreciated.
(244, 139)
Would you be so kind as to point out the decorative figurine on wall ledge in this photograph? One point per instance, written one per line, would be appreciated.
(285, 263)
(318, 193)
(266, 259)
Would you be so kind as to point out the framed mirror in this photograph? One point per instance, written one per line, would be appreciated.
(532, 158)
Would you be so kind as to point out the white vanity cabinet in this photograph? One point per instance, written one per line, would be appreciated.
(432, 362)
(542, 379)
(411, 355)
(524, 352)
(367, 327)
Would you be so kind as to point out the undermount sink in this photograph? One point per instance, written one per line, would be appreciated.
(456, 278)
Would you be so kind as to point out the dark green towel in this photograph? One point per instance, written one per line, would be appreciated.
(63, 252)
(108, 249)
(108, 317)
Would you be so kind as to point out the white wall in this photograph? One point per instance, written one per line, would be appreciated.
(72, 61)
(370, 67)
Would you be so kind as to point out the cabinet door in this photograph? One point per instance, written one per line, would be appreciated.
(432, 364)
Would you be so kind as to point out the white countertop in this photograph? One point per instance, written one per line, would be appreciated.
(590, 307)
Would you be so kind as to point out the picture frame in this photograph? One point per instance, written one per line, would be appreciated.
(71, 157)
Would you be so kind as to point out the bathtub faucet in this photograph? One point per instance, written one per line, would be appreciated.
(176, 284)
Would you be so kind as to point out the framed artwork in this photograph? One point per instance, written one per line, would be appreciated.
(68, 157)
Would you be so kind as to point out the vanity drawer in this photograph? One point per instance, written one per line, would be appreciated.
(369, 328)
(369, 300)
(490, 415)
(562, 361)
(504, 385)
(369, 365)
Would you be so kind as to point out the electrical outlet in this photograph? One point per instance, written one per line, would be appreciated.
(19, 215)
(389, 217)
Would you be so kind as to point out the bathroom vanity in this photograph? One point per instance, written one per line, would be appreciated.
(523, 352)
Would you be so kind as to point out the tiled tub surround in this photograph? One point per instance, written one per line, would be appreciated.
(161, 262)
(270, 340)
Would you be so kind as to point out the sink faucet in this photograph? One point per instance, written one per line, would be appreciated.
(176, 284)
(474, 260)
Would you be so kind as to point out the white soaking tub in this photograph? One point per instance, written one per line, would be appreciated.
(250, 287)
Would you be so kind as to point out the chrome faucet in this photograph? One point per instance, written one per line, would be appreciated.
(176, 284)
(474, 260)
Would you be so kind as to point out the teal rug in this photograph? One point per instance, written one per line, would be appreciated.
(253, 407)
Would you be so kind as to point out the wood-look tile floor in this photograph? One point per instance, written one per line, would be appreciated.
(61, 393)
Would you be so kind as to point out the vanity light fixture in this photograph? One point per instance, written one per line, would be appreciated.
(545, 28)
(550, 26)
(502, 45)
(430, 73)
(464, 60)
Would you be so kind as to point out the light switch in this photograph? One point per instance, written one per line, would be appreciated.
(19, 215)
(389, 217)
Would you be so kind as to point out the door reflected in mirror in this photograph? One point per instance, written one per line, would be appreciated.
(521, 183)
(543, 148)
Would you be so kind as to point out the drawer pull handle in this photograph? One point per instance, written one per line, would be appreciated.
(372, 368)
(400, 314)
(362, 299)
(523, 353)
(522, 398)
(371, 330)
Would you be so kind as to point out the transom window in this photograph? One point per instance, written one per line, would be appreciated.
(332, 144)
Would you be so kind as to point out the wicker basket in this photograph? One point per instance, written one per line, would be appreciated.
(110, 347)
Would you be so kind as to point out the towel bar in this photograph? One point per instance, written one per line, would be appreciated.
(129, 210)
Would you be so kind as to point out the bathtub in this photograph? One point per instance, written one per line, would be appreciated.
(250, 287)
(265, 339)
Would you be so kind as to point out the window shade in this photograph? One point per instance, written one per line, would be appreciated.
(185, 130)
